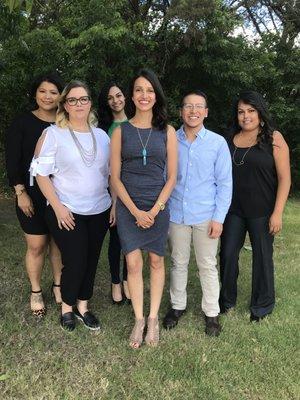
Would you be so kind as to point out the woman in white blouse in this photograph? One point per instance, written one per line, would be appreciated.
(71, 168)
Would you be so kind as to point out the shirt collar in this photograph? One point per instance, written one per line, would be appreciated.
(200, 134)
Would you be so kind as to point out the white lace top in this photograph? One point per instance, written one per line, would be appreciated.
(80, 188)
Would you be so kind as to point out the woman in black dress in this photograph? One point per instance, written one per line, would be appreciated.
(21, 140)
(142, 149)
(261, 183)
(111, 114)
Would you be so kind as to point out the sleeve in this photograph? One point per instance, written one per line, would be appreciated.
(223, 178)
(45, 163)
(13, 153)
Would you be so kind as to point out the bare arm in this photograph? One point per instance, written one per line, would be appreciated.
(282, 164)
(64, 216)
(142, 217)
(171, 171)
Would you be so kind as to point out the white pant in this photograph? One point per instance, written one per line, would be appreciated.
(180, 237)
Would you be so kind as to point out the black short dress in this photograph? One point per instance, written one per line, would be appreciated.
(143, 184)
(21, 139)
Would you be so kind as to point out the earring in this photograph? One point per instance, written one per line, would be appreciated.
(262, 124)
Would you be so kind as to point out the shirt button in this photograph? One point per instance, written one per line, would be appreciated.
(186, 189)
(190, 164)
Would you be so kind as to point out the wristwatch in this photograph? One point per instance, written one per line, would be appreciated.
(161, 205)
(20, 191)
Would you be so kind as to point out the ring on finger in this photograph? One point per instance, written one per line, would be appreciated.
(62, 221)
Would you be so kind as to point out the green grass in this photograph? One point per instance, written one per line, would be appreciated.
(248, 361)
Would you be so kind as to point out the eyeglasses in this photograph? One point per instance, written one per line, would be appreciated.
(190, 107)
(83, 100)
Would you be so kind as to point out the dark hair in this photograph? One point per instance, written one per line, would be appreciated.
(197, 93)
(254, 99)
(105, 115)
(52, 77)
(159, 119)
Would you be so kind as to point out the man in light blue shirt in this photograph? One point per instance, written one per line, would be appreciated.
(198, 206)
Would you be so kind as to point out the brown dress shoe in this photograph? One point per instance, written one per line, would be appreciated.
(212, 326)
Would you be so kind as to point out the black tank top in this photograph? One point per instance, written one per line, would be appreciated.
(254, 181)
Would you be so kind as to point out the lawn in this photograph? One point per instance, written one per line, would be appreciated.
(248, 361)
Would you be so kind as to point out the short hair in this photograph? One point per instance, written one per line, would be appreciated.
(105, 115)
(62, 116)
(52, 77)
(160, 117)
(197, 92)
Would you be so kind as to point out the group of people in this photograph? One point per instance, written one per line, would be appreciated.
(129, 172)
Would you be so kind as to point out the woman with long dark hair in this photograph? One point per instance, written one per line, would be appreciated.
(111, 114)
(21, 140)
(141, 150)
(72, 168)
(261, 183)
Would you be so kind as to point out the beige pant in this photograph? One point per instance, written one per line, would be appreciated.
(180, 237)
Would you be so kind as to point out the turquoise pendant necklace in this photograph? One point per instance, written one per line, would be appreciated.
(144, 146)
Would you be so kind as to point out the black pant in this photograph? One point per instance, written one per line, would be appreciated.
(114, 254)
(80, 250)
(232, 240)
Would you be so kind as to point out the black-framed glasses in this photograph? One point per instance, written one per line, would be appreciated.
(83, 100)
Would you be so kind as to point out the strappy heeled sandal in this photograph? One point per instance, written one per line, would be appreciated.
(54, 285)
(37, 299)
(152, 336)
(136, 337)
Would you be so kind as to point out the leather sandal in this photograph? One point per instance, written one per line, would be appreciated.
(54, 285)
(136, 337)
(36, 298)
(152, 336)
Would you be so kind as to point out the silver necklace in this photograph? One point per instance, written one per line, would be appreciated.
(88, 156)
(242, 159)
(144, 150)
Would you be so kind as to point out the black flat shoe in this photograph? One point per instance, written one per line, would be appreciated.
(254, 318)
(226, 310)
(89, 320)
(212, 326)
(67, 321)
(172, 317)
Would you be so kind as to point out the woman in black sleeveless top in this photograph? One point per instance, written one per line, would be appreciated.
(261, 183)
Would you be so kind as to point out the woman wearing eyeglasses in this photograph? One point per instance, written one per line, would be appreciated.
(71, 168)
(21, 140)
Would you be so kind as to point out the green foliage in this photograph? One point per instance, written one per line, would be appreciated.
(190, 44)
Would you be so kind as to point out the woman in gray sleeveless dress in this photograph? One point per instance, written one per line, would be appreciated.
(142, 150)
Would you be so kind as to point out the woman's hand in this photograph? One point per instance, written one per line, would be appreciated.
(112, 215)
(144, 219)
(275, 223)
(25, 204)
(65, 218)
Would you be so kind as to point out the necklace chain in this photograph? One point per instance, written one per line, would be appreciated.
(88, 156)
(242, 161)
(144, 150)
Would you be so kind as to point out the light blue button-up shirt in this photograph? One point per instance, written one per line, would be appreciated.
(204, 181)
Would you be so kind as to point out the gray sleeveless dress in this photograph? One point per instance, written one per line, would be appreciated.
(143, 184)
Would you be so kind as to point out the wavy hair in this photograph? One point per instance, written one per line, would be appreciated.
(256, 100)
(160, 117)
(62, 117)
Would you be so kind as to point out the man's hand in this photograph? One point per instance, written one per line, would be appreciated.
(214, 229)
